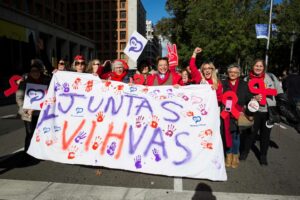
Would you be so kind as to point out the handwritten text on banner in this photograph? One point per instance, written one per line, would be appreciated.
(156, 130)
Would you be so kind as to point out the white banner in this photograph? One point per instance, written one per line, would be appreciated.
(157, 130)
(34, 96)
(135, 46)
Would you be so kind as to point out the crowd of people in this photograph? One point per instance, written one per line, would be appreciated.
(260, 121)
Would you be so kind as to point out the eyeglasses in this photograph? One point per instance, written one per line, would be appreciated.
(96, 64)
(209, 68)
(61, 63)
(79, 63)
(233, 72)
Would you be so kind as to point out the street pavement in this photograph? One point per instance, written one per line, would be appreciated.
(24, 178)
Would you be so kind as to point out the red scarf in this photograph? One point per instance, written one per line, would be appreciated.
(235, 86)
(116, 77)
(228, 137)
(162, 81)
(210, 81)
(252, 75)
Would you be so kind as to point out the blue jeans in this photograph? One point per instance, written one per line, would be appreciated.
(235, 143)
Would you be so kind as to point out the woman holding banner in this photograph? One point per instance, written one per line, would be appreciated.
(268, 87)
(119, 72)
(231, 128)
(79, 64)
(163, 76)
(208, 74)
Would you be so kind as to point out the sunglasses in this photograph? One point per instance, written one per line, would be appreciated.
(96, 64)
(79, 63)
(61, 63)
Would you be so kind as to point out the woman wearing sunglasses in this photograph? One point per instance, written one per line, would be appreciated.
(79, 64)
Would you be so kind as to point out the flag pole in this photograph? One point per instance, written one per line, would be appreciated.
(269, 35)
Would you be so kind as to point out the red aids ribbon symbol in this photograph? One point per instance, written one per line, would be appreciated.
(226, 116)
(261, 90)
(234, 111)
(13, 85)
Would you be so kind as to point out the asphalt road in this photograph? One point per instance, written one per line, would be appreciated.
(281, 177)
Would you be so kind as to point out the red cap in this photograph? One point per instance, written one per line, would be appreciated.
(79, 57)
(125, 65)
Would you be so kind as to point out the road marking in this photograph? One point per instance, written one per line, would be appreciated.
(22, 149)
(281, 126)
(178, 184)
(9, 116)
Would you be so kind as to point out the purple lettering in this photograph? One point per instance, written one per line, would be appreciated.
(147, 106)
(177, 117)
(131, 101)
(90, 103)
(72, 96)
(111, 101)
(46, 116)
(187, 150)
(160, 143)
(133, 146)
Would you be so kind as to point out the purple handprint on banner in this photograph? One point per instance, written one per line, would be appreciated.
(139, 121)
(138, 162)
(135, 45)
(66, 87)
(111, 149)
(56, 87)
(156, 154)
(81, 136)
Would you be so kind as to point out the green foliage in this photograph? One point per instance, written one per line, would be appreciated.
(225, 29)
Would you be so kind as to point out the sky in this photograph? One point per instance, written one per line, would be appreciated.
(155, 9)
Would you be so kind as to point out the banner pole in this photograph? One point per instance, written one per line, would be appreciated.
(269, 35)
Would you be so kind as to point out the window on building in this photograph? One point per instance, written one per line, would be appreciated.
(122, 45)
(122, 55)
(122, 35)
(123, 15)
(122, 4)
(123, 24)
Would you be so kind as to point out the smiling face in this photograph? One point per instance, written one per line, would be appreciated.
(258, 68)
(185, 76)
(207, 71)
(61, 65)
(162, 66)
(118, 68)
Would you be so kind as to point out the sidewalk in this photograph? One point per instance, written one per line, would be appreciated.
(37, 190)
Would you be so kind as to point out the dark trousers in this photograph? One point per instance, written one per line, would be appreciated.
(29, 127)
(259, 125)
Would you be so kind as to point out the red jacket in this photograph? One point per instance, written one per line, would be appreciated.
(175, 78)
(196, 75)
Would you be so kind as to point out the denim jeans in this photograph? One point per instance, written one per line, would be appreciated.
(235, 143)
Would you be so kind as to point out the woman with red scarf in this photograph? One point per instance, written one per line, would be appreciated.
(119, 72)
(207, 74)
(163, 76)
(261, 117)
(231, 130)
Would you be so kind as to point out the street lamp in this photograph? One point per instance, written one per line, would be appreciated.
(292, 39)
(269, 34)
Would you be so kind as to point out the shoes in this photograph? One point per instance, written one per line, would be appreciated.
(243, 156)
(235, 161)
(228, 159)
(263, 160)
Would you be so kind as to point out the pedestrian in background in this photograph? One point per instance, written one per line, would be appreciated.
(30, 117)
